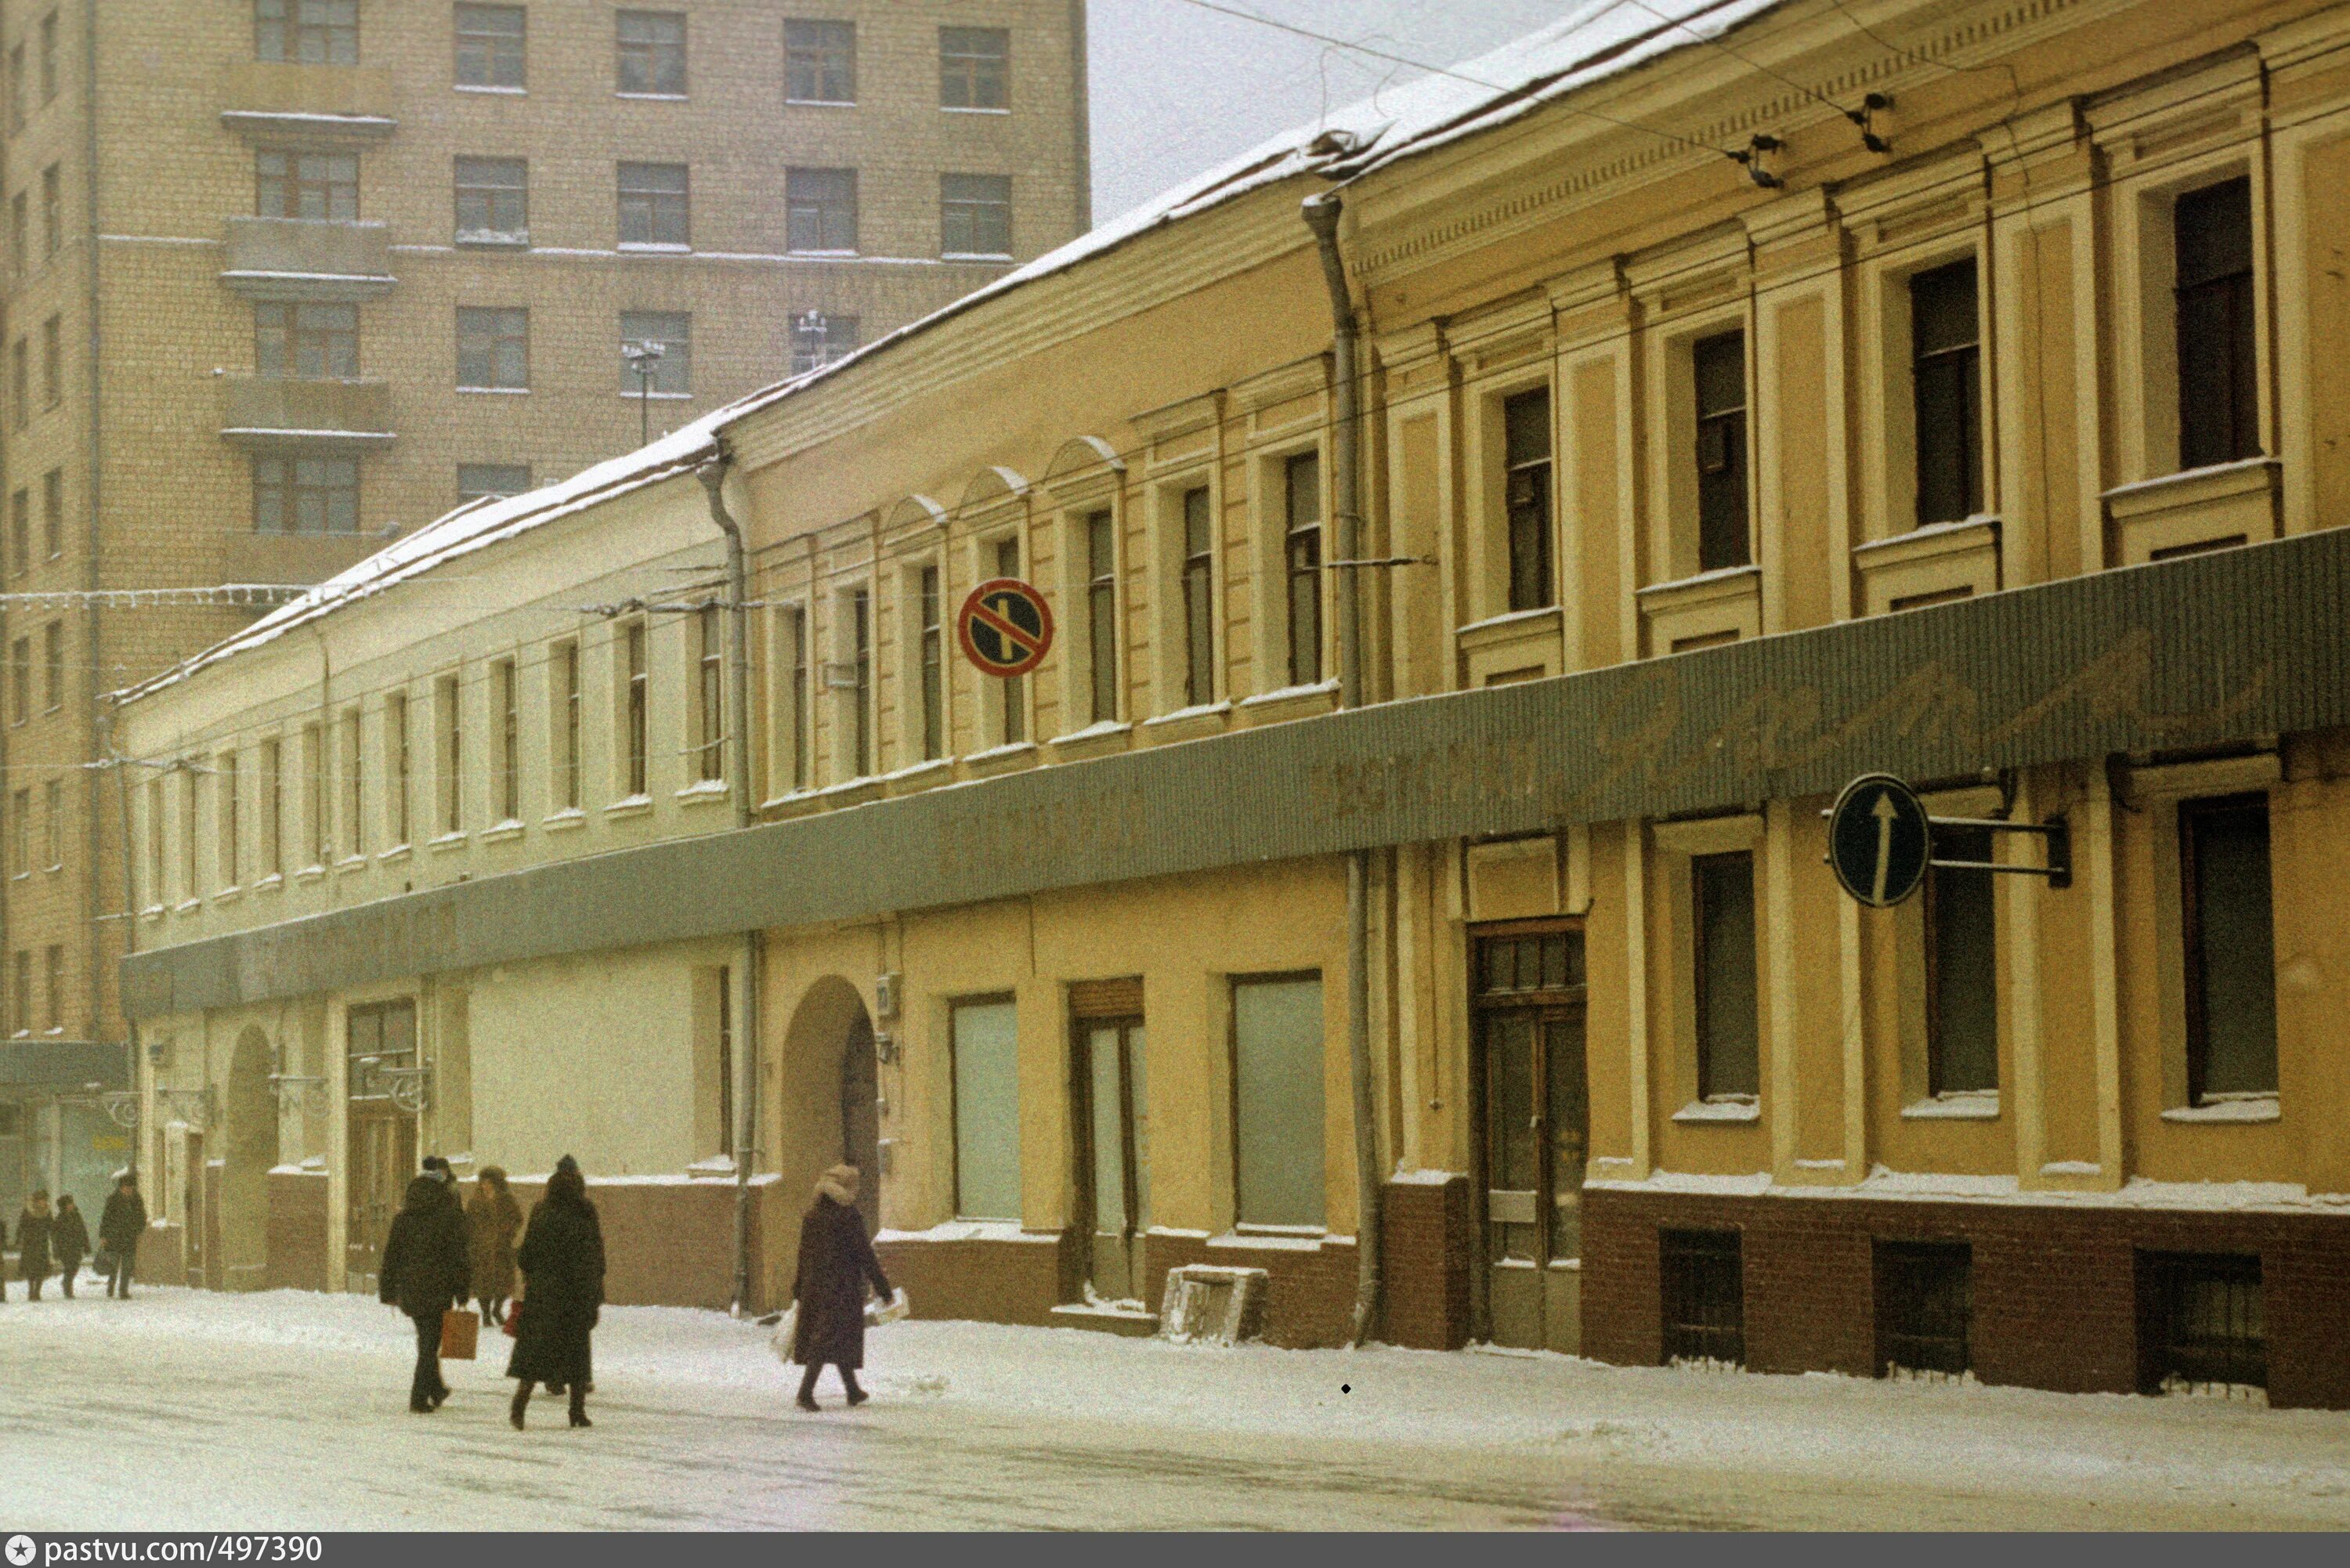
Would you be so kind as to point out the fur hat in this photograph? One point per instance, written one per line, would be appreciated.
(567, 1164)
(839, 1184)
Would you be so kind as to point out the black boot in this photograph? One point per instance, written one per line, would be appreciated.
(856, 1396)
(806, 1400)
(520, 1403)
(580, 1406)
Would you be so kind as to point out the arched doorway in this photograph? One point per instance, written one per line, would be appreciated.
(251, 1152)
(830, 1110)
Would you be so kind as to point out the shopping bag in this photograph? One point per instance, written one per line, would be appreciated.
(877, 1312)
(513, 1325)
(787, 1326)
(461, 1329)
(102, 1265)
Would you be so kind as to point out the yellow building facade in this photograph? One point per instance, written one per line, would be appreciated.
(1936, 390)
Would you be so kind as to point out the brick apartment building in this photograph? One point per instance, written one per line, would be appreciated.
(287, 277)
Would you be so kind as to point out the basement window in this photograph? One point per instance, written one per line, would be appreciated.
(1924, 1308)
(2201, 1329)
(1704, 1298)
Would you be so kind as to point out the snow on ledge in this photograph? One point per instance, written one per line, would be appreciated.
(2139, 1192)
(972, 1230)
(1422, 1178)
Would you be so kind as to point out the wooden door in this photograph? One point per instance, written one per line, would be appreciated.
(1533, 1130)
(384, 1157)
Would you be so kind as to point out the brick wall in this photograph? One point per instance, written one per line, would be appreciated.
(991, 1281)
(1426, 1269)
(671, 1243)
(1309, 1290)
(2054, 1287)
(297, 1231)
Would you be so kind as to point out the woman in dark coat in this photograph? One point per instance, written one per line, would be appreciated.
(32, 1244)
(120, 1225)
(562, 1260)
(493, 1220)
(424, 1271)
(835, 1261)
(68, 1240)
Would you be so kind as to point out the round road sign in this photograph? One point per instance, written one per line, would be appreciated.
(1879, 840)
(1005, 627)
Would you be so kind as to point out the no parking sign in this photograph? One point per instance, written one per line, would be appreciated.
(1005, 627)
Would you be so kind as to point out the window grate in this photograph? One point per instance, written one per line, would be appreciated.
(2208, 1314)
(1925, 1296)
(1704, 1297)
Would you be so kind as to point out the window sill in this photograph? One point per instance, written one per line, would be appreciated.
(819, 103)
(989, 257)
(489, 89)
(1272, 1238)
(652, 248)
(1189, 724)
(1007, 758)
(1104, 736)
(659, 396)
(919, 776)
(454, 840)
(1742, 1109)
(1978, 1106)
(565, 820)
(310, 874)
(631, 806)
(498, 391)
(709, 792)
(272, 883)
(851, 792)
(397, 852)
(821, 256)
(490, 240)
(969, 108)
(654, 97)
(151, 912)
(1289, 702)
(500, 833)
(2253, 1108)
(53, 870)
(228, 895)
(349, 863)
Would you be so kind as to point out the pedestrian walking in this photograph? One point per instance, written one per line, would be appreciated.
(836, 1261)
(562, 1262)
(68, 1241)
(33, 1244)
(493, 1220)
(120, 1225)
(424, 1272)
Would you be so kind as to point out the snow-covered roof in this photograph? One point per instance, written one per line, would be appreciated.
(1597, 39)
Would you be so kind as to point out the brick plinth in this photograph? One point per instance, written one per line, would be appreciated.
(297, 1231)
(1309, 1288)
(671, 1243)
(993, 1279)
(2055, 1300)
(1426, 1269)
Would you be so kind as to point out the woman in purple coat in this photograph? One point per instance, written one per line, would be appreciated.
(835, 1261)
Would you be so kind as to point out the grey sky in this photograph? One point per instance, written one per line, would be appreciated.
(1178, 88)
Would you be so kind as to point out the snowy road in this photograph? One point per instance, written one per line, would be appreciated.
(287, 1411)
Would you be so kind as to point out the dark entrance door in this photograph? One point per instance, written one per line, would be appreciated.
(1108, 1083)
(1534, 1131)
(382, 1148)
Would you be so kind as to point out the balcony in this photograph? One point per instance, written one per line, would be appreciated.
(318, 105)
(287, 413)
(307, 259)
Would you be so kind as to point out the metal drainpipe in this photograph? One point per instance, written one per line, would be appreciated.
(130, 901)
(713, 476)
(1321, 214)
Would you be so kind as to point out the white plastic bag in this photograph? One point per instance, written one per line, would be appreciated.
(785, 1327)
(895, 1307)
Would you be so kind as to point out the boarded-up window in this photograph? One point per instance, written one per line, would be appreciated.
(2231, 939)
(1728, 1049)
(1277, 1117)
(987, 1109)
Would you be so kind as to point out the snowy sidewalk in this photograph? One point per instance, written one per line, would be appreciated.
(287, 1411)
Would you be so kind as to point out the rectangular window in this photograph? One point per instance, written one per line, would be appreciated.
(273, 808)
(57, 989)
(311, 341)
(353, 789)
(53, 660)
(52, 513)
(1302, 520)
(1946, 388)
(306, 495)
(976, 214)
(49, 58)
(400, 764)
(20, 834)
(1012, 713)
(1526, 460)
(566, 719)
(317, 185)
(20, 532)
(156, 895)
(2218, 397)
(1720, 370)
(2203, 1325)
(654, 205)
(188, 883)
(861, 690)
(1924, 1306)
(449, 696)
(53, 209)
(315, 799)
(975, 67)
(1277, 1111)
(20, 680)
(820, 211)
(493, 201)
(505, 692)
(16, 88)
(224, 792)
(819, 338)
(478, 480)
(490, 40)
(1199, 600)
(1721, 897)
(20, 245)
(933, 665)
(2229, 924)
(55, 790)
(1101, 614)
(1961, 969)
(820, 62)
(23, 999)
(635, 756)
(651, 48)
(671, 331)
(1703, 1293)
(984, 1039)
(53, 362)
(20, 384)
(492, 347)
(725, 1064)
(312, 32)
(709, 692)
(792, 627)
